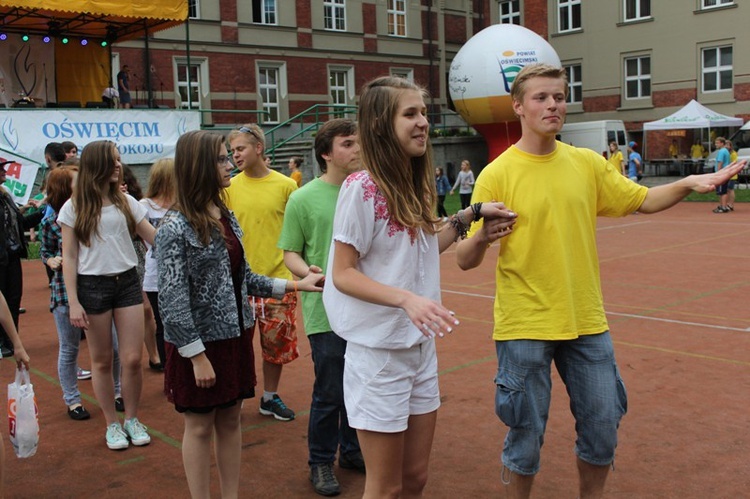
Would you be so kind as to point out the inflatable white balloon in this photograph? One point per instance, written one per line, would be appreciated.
(483, 71)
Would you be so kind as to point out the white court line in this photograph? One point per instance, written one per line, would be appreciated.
(622, 225)
(634, 316)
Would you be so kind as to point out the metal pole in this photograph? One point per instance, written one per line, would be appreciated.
(147, 59)
(187, 50)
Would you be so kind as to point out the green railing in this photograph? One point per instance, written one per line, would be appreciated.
(320, 114)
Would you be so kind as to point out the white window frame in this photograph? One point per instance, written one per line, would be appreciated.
(344, 88)
(279, 105)
(406, 73)
(200, 84)
(396, 12)
(637, 10)
(712, 4)
(513, 14)
(640, 77)
(718, 69)
(194, 9)
(334, 15)
(565, 10)
(268, 12)
(573, 83)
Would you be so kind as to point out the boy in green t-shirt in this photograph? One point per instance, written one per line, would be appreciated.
(306, 240)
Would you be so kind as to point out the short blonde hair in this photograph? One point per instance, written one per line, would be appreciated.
(538, 70)
(250, 129)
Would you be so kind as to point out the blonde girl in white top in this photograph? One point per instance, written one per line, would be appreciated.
(384, 296)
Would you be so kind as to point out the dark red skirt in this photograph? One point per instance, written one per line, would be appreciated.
(233, 361)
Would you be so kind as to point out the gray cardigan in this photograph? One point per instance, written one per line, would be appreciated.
(196, 294)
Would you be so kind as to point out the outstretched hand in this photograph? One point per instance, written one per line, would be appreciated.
(311, 282)
(709, 181)
(432, 318)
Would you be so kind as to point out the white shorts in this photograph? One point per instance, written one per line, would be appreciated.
(382, 388)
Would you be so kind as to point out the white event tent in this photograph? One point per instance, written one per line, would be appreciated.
(692, 115)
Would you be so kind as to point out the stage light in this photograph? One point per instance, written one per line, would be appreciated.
(65, 40)
(3, 37)
(25, 37)
(84, 42)
(104, 43)
(46, 39)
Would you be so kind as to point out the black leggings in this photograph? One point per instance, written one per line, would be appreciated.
(441, 206)
(465, 200)
(153, 299)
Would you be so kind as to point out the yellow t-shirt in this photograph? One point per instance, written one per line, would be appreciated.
(673, 151)
(732, 159)
(616, 160)
(547, 274)
(297, 177)
(259, 204)
(696, 151)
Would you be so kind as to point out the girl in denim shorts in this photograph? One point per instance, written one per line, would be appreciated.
(99, 262)
(384, 299)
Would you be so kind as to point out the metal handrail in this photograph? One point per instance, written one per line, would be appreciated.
(319, 111)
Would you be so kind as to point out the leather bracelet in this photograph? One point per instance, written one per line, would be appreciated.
(477, 209)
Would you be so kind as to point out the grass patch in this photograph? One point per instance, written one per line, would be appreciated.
(740, 196)
(33, 248)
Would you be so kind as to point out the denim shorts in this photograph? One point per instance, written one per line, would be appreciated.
(597, 397)
(722, 189)
(99, 293)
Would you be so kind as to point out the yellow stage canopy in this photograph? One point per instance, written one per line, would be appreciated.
(118, 19)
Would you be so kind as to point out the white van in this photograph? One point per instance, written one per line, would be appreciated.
(595, 135)
(740, 143)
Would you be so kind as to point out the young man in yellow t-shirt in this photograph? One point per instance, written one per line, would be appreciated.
(258, 197)
(548, 299)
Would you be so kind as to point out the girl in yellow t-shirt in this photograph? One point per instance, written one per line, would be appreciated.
(615, 157)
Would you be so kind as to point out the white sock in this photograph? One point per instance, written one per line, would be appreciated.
(268, 395)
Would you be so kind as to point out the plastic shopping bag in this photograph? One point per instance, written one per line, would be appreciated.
(23, 415)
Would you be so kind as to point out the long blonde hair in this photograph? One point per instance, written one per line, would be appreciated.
(161, 181)
(93, 183)
(198, 181)
(409, 192)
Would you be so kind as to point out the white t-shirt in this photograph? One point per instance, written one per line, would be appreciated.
(154, 212)
(389, 254)
(111, 251)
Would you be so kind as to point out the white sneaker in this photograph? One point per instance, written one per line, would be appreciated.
(116, 438)
(83, 374)
(136, 432)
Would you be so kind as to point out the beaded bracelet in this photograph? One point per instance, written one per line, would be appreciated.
(460, 227)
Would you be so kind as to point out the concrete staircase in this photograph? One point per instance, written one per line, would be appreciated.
(303, 148)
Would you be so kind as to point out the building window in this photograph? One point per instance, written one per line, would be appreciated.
(339, 86)
(334, 15)
(637, 9)
(193, 9)
(569, 15)
(264, 11)
(510, 12)
(397, 17)
(710, 4)
(638, 77)
(575, 84)
(268, 89)
(189, 85)
(717, 69)
(405, 73)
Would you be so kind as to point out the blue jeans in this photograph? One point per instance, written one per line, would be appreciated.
(69, 338)
(328, 428)
(597, 397)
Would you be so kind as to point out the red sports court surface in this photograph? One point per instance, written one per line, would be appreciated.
(676, 289)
